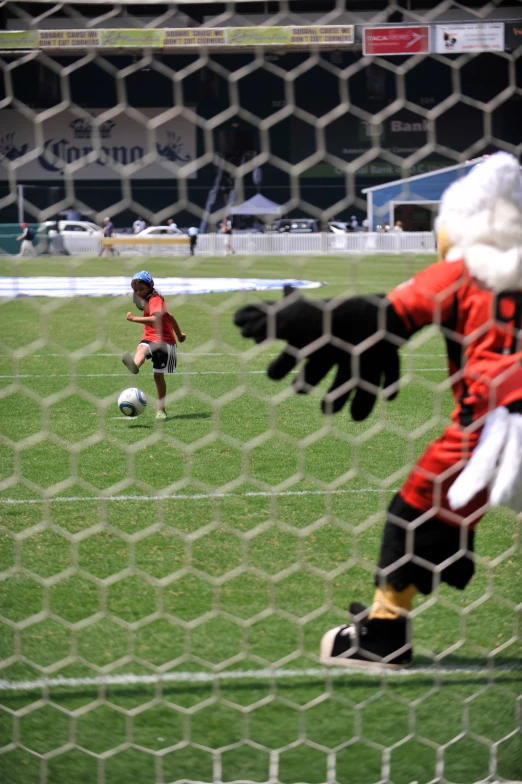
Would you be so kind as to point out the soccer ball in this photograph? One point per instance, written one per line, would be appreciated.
(132, 402)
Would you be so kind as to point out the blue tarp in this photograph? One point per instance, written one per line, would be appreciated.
(116, 286)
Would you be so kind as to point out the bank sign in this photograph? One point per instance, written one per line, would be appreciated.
(95, 150)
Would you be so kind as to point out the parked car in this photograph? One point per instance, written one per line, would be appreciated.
(293, 226)
(67, 227)
(338, 227)
(158, 231)
(77, 236)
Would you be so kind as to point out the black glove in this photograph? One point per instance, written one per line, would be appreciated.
(328, 333)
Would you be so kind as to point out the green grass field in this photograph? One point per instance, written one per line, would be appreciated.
(226, 540)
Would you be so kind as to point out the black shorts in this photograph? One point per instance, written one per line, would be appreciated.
(163, 356)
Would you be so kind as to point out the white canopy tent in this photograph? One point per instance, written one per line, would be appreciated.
(257, 205)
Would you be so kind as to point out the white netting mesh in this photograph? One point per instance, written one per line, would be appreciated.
(165, 586)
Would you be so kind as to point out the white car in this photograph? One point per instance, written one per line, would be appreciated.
(78, 236)
(338, 227)
(158, 231)
(68, 228)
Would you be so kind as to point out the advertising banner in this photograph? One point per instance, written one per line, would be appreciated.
(135, 38)
(59, 39)
(513, 34)
(25, 39)
(325, 36)
(476, 37)
(396, 40)
(145, 2)
(194, 36)
(118, 142)
(403, 134)
(179, 38)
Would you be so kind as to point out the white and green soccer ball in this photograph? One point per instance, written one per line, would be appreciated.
(132, 402)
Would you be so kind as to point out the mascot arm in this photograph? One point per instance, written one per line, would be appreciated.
(358, 336)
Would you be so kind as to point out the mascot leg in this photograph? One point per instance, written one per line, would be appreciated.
(417, 552)
(424, 542)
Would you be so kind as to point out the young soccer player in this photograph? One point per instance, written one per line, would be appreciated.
(159, 335)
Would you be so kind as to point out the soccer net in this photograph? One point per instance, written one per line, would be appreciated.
(165, 584)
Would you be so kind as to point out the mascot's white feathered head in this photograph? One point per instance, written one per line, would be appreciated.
(480, 221)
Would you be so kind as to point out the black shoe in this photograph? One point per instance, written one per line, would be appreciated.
(385, 644)
(356, 608)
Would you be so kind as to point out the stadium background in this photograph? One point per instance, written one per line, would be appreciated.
(466, 123)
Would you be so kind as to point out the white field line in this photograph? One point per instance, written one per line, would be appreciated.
(200, 354)
(111, 375)
(178, 373)
(190, 497)
(130, 679)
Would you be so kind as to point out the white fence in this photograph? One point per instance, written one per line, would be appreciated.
(319, 244)
(273, 244)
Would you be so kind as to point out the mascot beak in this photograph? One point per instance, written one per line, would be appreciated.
(443, 242)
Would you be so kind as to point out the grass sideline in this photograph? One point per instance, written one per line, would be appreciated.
(227, 575)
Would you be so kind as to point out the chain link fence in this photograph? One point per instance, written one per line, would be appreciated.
(165, 587)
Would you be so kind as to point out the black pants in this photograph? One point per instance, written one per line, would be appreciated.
(193, 243)
(418, 549)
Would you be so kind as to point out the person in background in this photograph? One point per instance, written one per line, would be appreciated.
(108, 231)
(72, 215)
(366, 225)
(193, 234)
(171, 226)
(354, 223)
(27, 237)
(56, 245)
(226, 229)
(138, 226)
(398, 226)
(386, 226)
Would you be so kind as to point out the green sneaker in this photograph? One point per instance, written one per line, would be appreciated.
(130, 364)
(161, 415)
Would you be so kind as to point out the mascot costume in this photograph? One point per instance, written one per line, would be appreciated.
(474, 295)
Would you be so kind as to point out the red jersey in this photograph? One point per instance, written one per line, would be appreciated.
(156, 304)
(481, 329)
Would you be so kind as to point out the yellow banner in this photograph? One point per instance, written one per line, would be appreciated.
(25, 39)
(194, 36)
(306, 36)
(49, 39)
(150, 240)
(258, 36)
(138, 39)
(179, 38)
